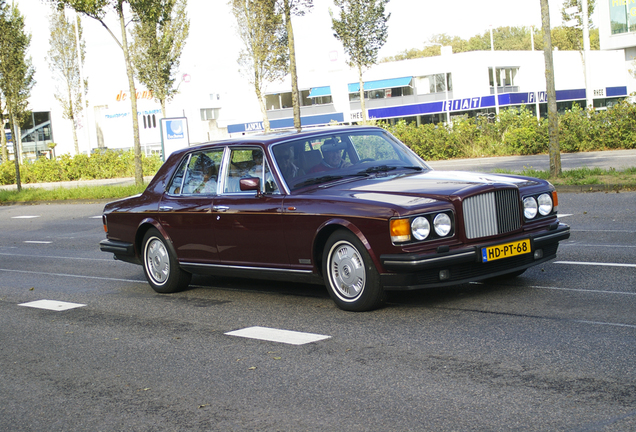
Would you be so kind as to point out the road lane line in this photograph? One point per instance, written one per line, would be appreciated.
(565, 215)
(596, 264)
(24, 217)
(583, 290)
(37, 242)
(58, 257)
(605, 323)
(53, 305)
(73, 276)
(595, 245)
(277, 335)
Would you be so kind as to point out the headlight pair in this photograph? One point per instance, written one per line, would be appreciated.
(542, 204)
(435, 225)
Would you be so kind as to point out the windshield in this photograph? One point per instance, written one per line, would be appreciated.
(339, 155)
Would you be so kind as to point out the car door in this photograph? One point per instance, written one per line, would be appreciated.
(248, 225)
(185, 211)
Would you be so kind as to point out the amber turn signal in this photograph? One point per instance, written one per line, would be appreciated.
(400, 230)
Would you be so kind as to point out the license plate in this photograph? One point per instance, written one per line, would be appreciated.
(505, 250)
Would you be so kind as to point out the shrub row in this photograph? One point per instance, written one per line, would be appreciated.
(517, 131)
(102, 165)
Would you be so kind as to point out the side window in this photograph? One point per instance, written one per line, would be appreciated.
(202, 172)
(373, 147)
(177, 180)
(249, 163)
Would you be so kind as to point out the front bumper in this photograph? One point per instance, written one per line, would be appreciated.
(415, 271)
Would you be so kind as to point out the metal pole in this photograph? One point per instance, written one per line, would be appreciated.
(586, 54)
(494, 71)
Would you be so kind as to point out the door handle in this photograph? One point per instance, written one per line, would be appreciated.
(165, 208)
(220, 208)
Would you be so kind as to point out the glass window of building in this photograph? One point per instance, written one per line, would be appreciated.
(622, 16)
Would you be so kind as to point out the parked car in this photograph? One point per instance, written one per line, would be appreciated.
(350, 207)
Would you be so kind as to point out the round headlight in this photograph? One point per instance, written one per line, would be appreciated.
(420, 227)
(545, 204)
(529, 207)
(442, 224)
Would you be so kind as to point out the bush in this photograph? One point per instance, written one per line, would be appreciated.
(516, 131)
(100, 165)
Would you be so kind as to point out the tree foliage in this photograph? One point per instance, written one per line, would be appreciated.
(505, 39)
(362, 28)
(64, 61)
(159, 37)
(16, 73)
(265, 55)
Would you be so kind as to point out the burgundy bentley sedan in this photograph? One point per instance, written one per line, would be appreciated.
(350, 207)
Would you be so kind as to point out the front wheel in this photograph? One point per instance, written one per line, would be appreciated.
(161, 266)
(351, 278)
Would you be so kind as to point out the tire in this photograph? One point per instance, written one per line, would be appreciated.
(161, 266)
(350, 276)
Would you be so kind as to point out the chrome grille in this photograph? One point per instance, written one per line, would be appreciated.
(491, 213)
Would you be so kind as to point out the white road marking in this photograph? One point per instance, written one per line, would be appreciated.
(277, 335)
(604, 323)
(595, 245)
(564, 215)
(584, 290)
(596, 264)
(96, 217)
(37, 242)
(73, 276)
(24, 217)
(59, 257)
(53, 305)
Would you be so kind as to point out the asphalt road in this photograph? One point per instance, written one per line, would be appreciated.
(551, 350)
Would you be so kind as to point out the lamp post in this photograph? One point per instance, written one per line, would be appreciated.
(494, 71)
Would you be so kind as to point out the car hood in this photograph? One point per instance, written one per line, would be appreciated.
(416, 189)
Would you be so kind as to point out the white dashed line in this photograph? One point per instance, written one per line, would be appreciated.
(24, 217)
(277, 335)
(37, 242)
(596, 264)
(564, 215)
(53, 305)
(96, 217)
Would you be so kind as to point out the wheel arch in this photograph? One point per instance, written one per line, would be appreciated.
(331, 226)
(143, 228)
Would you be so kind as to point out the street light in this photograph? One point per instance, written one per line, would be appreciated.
(494, 72)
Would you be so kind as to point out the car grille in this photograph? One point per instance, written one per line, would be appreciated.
(491, 213)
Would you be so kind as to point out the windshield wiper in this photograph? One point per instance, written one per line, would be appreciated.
(314, 181)
(376, 169)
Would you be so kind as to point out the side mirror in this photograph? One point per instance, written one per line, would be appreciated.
(250, 184)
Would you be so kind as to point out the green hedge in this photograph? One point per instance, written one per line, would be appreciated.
(516, 131)
(102, 165)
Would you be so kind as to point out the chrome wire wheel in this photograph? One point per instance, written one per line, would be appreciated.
(157, 261)
(347, 271)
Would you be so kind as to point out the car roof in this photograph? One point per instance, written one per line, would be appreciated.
(285, 135)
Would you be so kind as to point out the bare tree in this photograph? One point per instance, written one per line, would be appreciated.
(159, 36)
(264, 57)
(97, 9)
(65, 60)
(553, 121)
(362, 29)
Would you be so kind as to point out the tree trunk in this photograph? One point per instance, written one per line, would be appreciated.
(72, 117)
(292, 66)
(553, 121)
(16, 151)
(362, 107)
(139, 176)
(3, 139)
(261, 102)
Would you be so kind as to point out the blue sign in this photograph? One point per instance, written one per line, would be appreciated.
(175, 129)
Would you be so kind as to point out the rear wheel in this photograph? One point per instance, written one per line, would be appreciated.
(161, 266)
(351, 278)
